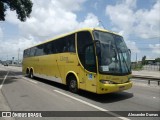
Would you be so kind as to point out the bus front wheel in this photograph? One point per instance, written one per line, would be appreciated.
(73, 86)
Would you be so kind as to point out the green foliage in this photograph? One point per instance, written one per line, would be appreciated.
(143, 60)
(137, 67)
(157, 60)
(23, 8)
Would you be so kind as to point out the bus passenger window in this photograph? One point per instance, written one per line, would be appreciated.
(65, 49)
(39, 50)
(53, 48)
(48, 48)
(26, 52)
(71, 43)
(32, 52)
(60, 45)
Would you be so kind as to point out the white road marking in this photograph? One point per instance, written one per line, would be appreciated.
(4, 80)
(94, 106)
(30, 80)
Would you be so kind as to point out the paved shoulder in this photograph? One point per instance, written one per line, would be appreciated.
(4, 106)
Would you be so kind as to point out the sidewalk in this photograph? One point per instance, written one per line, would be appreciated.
(146, 74)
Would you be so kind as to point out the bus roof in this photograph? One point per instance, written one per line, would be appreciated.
(82, 29)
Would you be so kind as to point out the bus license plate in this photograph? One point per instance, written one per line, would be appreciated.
(121, 87)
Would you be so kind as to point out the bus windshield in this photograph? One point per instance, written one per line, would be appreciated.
(113, 54)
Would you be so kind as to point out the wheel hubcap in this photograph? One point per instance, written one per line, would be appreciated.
(73, 84)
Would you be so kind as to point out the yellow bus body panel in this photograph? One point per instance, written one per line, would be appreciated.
(120, 83)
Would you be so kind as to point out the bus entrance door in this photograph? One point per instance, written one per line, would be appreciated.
(87, 81)
(90, 82)
(90, 66)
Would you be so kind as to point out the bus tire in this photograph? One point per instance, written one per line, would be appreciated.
(72, 84)
(27, 73)
(31, 75)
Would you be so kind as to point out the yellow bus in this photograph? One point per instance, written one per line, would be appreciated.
(91, 59)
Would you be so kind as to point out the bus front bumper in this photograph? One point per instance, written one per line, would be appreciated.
(110, 88)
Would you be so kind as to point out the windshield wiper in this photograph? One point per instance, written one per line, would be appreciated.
(124, 60)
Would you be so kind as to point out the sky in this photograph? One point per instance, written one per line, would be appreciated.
(138, 21)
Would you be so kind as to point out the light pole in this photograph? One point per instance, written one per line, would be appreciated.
(12, 60)
(18, 55)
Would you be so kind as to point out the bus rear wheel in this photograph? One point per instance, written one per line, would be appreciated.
(31, 74)
(27, 73)
(73, 86)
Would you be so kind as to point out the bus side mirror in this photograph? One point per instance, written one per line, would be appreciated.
(96, 41)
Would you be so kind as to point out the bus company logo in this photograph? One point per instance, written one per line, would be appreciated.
(21, 114)
(6, 114)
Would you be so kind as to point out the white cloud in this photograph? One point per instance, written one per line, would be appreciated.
(10, 49)
(71, 5)
(52, 17)
(143, 23)
(148, 22)
(48, 19)
(132, 46)
(1, 33)
(121, 16)
(155, 48)
(95, 5)
(11, 17)
(90, 21)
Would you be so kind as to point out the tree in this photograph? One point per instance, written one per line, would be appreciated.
(23, 8)
(157, 60)
(143, 60)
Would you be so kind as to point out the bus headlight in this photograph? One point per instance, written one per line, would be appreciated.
(106, 82)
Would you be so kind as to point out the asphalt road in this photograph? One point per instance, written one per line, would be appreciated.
(18, 93)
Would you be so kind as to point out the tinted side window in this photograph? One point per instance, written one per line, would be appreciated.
(26, 53)
(83, 40)
(32, 52)
(39, 50)
(47, 48)
(59, 45)
(65, 44)
(70, 43)
(54, 49)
